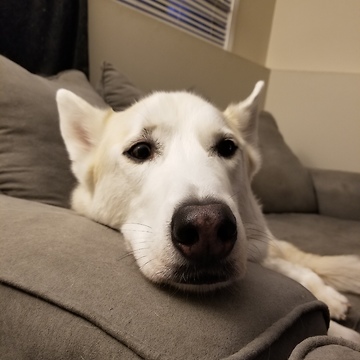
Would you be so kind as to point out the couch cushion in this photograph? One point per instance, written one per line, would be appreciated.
(282, 184)
(56, 258)
(116, 89)
(33, 160)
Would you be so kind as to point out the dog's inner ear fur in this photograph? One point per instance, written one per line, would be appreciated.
(80, 123)
(244, 117)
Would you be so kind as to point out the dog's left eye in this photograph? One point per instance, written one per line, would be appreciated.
(141, 151)
(226, 148)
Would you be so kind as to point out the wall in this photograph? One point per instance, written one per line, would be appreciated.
(308, 51)
(157, 56)
(314, 87)
(315, 35)
(253, 26)
(319, 116)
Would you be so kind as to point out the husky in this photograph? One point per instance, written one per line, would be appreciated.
(172, 173)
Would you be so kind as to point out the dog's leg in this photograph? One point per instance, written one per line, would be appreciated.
(338, 330)
(337, 303)
(341, 272)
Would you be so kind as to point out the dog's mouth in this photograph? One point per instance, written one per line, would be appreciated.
(196, 276)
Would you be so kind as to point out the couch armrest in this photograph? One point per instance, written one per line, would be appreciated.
(67, 287)
(338, 193)
(326, 347)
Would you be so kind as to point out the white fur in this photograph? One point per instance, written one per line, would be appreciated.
(139, 198)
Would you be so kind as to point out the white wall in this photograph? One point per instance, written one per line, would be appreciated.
(315, 35)
(314, 86)
(253, 25)
(157, 56)
(308, 51)
(319, 116)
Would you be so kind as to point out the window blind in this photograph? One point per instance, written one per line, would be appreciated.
(208, 19)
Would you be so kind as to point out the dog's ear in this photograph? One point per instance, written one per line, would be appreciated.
(244, 117)
(244, 114)
(81, 127)
(80, 124)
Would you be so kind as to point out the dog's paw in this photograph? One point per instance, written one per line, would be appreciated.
(337, 303)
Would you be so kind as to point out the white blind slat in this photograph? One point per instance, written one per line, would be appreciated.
(191, 6)
(207, 19)
(177, 13)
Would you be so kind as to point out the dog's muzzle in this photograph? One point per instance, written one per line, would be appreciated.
(205, 235)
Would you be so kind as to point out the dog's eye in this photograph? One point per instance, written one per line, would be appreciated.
(141, 151)
(226, 148)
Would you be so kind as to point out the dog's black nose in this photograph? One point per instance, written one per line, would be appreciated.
(204, 233)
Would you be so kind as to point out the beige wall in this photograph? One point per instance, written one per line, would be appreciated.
(314, 87)
(311, 48)
(319, 116)
(252, 29)
(157, 56)
(315, 35)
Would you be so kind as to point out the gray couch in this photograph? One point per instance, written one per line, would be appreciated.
(70, 290)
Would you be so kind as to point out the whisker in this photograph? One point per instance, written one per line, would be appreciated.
(253, 250)
(139, 224)
(133, 252)
(146, 263)
(234, 194)
(135, 230)
(126, 255)
(258, 234)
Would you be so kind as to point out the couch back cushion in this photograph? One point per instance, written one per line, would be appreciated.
(34, 164)
(283, 184)
(116, 89)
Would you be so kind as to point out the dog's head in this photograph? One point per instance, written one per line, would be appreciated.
(172, 173)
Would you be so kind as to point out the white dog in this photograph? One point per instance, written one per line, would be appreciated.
(173, 174)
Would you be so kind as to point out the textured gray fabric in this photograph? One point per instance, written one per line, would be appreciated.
(34, 329)
(81, 267)
(326, 348)
(33, 160)
(267, 347)
(116, 89)
(324, 236)
(338, 193)
(282, 184)
(318, 234)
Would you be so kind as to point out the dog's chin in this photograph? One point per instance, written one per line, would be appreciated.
(201, 288)
(195, 279)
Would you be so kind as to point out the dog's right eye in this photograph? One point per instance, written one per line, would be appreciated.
(141, 151)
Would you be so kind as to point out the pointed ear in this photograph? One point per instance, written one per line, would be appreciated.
(80, 124)
(243, 115)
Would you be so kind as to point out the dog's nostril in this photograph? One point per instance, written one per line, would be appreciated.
(227, 229)
(204, 233)
(185, 233)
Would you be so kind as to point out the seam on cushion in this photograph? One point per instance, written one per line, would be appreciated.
(100, 87)
(104, 82)
(315, 193)
(128, 340)
(266, 338)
